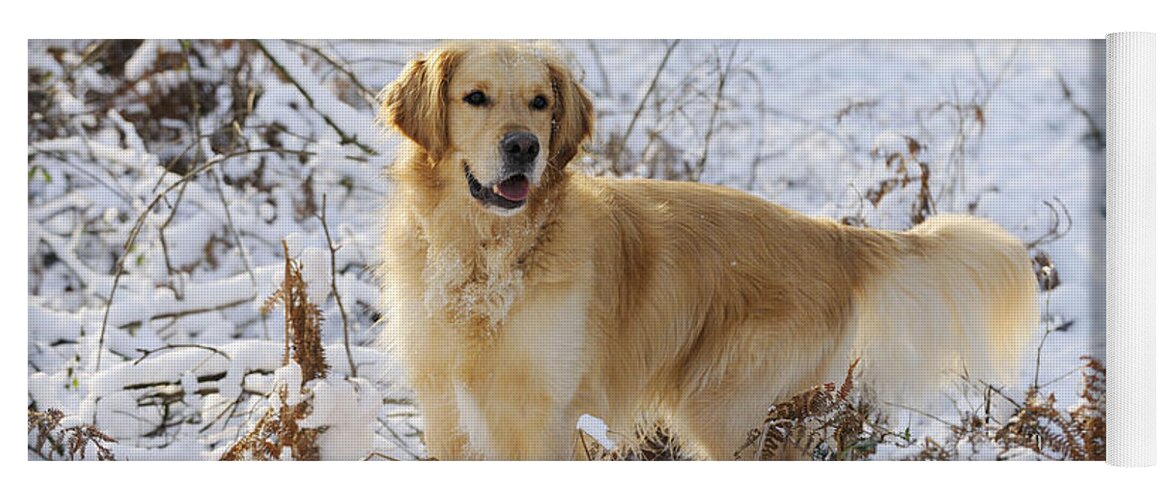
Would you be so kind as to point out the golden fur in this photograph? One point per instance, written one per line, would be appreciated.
(697, 304)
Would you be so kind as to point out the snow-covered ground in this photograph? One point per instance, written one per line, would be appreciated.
(186, 357)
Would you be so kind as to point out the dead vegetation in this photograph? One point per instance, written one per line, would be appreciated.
(1035, 425)
(1094, 138)
(50, 441)
(822, 423)
(1078, 434)
(188, 130)
(903, 164)
(302, 321)
(278, 429)
(687, 117)
(652, 442)
(841, 423)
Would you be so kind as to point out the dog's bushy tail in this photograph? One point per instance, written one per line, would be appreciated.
(955, 295)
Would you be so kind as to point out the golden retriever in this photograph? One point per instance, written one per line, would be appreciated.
(521, 294)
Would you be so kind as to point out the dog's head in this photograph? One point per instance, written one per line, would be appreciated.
(498, 120)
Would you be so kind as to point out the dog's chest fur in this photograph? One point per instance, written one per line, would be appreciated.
(473, 276)
(472, 290)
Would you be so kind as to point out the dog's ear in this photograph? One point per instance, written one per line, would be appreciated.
(416, 103)
(573, 116)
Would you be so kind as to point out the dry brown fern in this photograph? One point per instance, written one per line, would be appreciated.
(278, 429)
(1036, 424)
(302, 321)
(651, 443)
(823, 423)
(900, 163)
(69, 443)
(1079, 434)
(1089, 418)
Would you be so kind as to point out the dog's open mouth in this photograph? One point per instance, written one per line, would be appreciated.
(507, 194)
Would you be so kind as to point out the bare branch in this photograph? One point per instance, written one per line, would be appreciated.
(641, 105)
(337, 296)
(345, 139)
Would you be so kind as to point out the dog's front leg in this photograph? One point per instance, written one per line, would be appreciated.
(515, 389)
(442, 435)
(509, 415)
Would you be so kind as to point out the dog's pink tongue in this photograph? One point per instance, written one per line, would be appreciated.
(513, 188)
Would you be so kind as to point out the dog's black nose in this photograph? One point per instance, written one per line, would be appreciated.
(519, 148)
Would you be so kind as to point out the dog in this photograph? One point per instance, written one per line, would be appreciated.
(521, 294)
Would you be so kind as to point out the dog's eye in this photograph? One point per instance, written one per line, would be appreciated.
(476, 98)
(539, 103)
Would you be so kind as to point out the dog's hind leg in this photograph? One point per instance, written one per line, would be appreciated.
(735, 386)
(719, 421)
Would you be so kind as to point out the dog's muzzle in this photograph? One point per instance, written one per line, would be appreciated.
(509, 193)
(518, 150)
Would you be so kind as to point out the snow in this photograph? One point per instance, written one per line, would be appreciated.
(348, 409)
(597, 429)
(806, 124)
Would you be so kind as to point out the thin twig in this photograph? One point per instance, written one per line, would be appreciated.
(584, 446)
(923, 413)
(345, 139)
(235, 233)
(402, 442)
(371, 97)
(997, 390)
(641, 105)
(1041, 345)
(711, 123)
(337, 296)
(138, 225)
(1056, 231)
(1060, 377)
(148, 352)
(227, 408)
(601, 68)
(64, 159)
(1095, 133)
(201, 154)
(199, 310)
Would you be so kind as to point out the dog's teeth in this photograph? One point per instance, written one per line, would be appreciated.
(496, 188)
